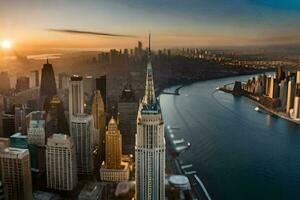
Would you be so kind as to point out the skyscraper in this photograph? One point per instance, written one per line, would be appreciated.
(48, 85)
(99, 121)
(36, 78)
(76, 100)
(113, 145)
(20, 141)
(56, 121)
(298, 77)
(16, 174)
(283, 94)
(98, 112)
(20, 119)
(280, 75)
(150, 144)
(296, 108)
(113, 169)
(290, 94)
(83, 136)
(61, 162)
(63, 81)
(37, 138)
(36, 132)
(128, 108)
(101, 86)
(8, 125)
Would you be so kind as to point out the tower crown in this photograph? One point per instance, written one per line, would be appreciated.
(112, 125)
(149, 98)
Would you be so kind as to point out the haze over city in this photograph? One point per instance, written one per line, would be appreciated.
(149, 100)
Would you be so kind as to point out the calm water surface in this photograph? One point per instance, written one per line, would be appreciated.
(238, 153)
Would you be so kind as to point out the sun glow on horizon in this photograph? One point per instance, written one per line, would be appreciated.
(6, 44)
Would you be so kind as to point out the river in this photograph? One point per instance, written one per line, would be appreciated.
(238, 153)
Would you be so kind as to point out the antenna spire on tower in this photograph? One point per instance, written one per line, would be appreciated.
(149, 40)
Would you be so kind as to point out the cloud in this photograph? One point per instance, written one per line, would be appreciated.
(72, 31)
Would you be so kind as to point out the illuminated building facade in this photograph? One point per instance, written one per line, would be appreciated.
(150, 145)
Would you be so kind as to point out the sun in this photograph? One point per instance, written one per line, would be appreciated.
(6, 44)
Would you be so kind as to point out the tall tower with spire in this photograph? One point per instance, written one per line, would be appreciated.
(150, 144)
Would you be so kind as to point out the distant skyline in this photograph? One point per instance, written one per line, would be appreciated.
(192, 23)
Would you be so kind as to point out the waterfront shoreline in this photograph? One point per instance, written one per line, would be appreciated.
(254, 99)
(209, 160)
(186, 82)
(173, 163)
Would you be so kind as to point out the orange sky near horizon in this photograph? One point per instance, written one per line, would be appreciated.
(173, 24)
(44, 40)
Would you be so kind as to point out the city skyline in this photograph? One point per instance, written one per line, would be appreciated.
(91, 108)
(174, 24)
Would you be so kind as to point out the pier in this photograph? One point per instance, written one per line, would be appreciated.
(179, 146)
(175, 92)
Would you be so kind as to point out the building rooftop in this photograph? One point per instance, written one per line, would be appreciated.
(76, 78)
(180, 181)
(37, 124)
(14, 152)
(18, 135)
(59, 139)
(40, 195)
(79, 118)
(127, 94)
(91, 191)
(60, 136)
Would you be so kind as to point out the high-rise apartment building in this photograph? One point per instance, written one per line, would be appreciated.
(127, 109)
(63, 81)
(20, 119)
(298, 77)
(36, 132)
(20, 141)
(76, 99)
(8, 125)
(290, 94)
(36, 77)
(15, 173)
(150, 144)
(283, 94)
(56, 121)
(36, 128)
(83, 135)
(61, 162)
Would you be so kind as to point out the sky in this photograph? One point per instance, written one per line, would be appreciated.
(172, 23)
